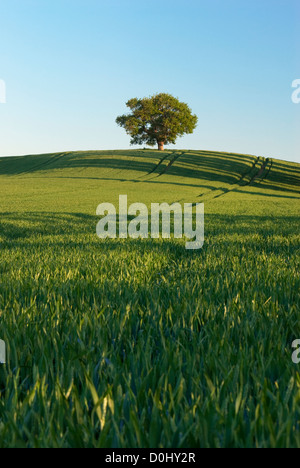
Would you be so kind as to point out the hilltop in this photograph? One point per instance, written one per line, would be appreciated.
(81, 180)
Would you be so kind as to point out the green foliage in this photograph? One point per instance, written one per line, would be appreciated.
(160, 118)
(140, 343)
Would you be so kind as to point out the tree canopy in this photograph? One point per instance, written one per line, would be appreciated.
(159, 119)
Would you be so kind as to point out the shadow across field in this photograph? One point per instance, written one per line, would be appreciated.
(230, 169)
(283, 177)
(265, 194)
(207, 166)
(78, 230)
(210, 167)
(35, 164)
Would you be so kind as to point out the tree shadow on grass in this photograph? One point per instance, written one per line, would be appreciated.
(202, 165)
(205, 165)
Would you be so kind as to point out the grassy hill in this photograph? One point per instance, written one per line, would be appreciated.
(141, 343)
(196, 175)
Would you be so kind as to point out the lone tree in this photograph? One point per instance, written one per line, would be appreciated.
(159, 119)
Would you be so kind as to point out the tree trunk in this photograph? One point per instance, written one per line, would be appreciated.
(160, 145)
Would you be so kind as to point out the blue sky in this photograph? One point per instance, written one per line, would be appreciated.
(71, 65)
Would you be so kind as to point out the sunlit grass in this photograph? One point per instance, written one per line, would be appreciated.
(141, 343)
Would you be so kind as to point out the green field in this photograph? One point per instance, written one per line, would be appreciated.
(142, 343)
